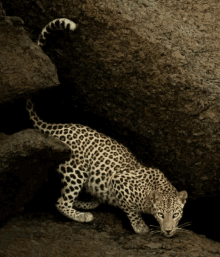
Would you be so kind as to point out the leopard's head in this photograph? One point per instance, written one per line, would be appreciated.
(168, 210)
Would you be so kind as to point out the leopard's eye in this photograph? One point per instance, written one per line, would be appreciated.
(175, 215)
(160, 214)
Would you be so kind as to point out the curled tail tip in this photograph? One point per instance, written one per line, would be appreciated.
(57, 24)
(64, 23)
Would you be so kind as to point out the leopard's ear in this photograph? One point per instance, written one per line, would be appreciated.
(183, 196)
(155, 196)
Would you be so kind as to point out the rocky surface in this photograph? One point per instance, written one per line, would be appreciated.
(149, 69)
(145, 73)
(43, 234)
(24, 68)
(25, 161)
(26, 156)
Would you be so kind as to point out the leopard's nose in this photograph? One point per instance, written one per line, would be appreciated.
(168, 231)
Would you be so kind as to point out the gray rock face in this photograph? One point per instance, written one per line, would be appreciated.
(148, 68)
(150, 71)
(25, 156)
(25, 159)
(24, 68)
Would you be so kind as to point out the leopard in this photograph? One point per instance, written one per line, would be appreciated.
(108, 171)
(111, 174)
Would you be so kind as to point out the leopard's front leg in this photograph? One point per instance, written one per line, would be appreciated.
(120, 188)
(137, 222)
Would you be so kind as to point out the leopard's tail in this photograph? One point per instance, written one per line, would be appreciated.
(57, 24)
(37, 122)
(47, 128)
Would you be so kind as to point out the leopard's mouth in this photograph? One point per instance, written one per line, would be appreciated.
(169, 234)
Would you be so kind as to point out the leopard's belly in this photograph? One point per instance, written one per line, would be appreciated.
(99, 186)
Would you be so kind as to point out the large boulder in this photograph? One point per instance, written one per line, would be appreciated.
(151, 70)
(26, 156)
(25, 161)
(24, 68)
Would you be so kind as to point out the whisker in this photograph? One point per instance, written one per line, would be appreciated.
(155, 232)
(185, 224)
(154, 226)
(182, 227)
(154, 229)
(184, 230)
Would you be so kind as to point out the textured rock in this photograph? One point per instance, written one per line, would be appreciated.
(25, 159)
(149, 68)
(24, 68)
(147, 74)
(43, 234)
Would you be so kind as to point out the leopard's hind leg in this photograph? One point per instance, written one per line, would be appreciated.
(73, 181)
